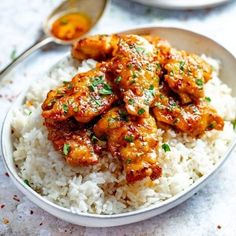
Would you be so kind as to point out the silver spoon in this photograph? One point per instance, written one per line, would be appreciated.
(94, 9)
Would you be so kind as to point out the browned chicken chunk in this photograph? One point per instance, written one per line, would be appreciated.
(73, 141)
(86, 96)
(132, 67)
(193, 119)
(133, 140)
(186, 75)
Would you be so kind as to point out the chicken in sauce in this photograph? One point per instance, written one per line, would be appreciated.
(140, 84)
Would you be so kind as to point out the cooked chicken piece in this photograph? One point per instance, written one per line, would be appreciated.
(98, 47)
(86, 96)
(131, 65)
(133, 140)
(193, 119)
(69, 138)
(186, 75)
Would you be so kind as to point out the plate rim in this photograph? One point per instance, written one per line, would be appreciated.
(167, 4)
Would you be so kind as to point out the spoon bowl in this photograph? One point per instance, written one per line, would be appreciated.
(93, 9)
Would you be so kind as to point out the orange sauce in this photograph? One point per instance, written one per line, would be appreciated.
(71, 26)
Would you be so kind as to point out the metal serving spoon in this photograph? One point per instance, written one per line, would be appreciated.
(93, 9)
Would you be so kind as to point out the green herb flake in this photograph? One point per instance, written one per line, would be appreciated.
(172, 73)
(141, 111)
(199, 82)
(211, 126)
(181, 65)
(134, 75)
(94, 139)
(91, 88)
(207, 99)
(13, 54)
(118, 79)
(123, 115)
(106, 90)
(128, 161)
(65, 108)
(140, 50)
(165, 147)
(158, 66)
(129, 138)
(26, 181)
(66, 149)
(131, 101)
(151, 87)
(29, 113)
(234, 124)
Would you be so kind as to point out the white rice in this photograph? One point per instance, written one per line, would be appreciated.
(102, 189)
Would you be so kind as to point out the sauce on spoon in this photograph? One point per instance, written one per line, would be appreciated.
(71, 26)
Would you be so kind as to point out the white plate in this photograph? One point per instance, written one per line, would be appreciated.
(182, 4)
(179, 38)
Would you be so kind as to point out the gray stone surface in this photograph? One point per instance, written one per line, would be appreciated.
(210, 212)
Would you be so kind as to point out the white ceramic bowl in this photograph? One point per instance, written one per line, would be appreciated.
(179, 38)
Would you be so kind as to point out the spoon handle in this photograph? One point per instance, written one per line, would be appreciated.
(25, 54)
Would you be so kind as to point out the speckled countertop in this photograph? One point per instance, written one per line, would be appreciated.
(210, 212)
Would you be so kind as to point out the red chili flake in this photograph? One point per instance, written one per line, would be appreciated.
(218, 226)
(7, 174)
(16, 198)
(2, 206)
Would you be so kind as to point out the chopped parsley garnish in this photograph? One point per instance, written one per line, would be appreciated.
(211, 126)
(149, 67)
(26, 181)
(118, 79)
(208, 99)
(123, 115)
(131, 101)
(129, 138)
(134, 75)
(161, 96)
(97, 80)
(158, 66)
(128, 161)
(65, 108)
(199, 82)
(151, 87)
(172, 73)
(141, 111)
(165, 147)
(66, 148)
(181, 65)
(94, 139)
(234, 124)
(106, 90)
(30, 112)
(13, 54)
(140, 50)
